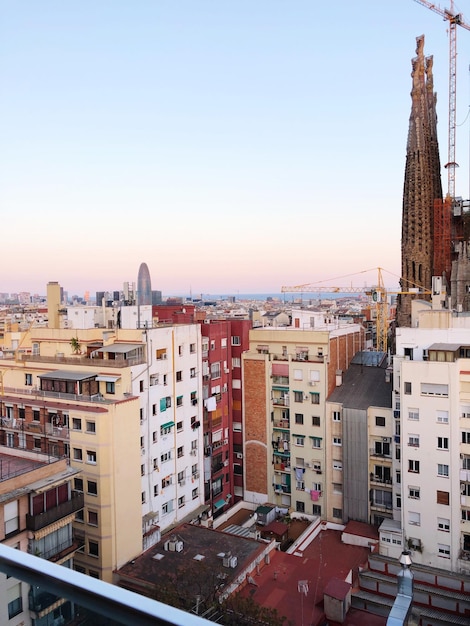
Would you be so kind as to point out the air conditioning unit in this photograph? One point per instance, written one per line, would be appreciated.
(182, 483)
(308, 465)
(225, 442)
(278, 491)
(142, 451)
(312, 383)
(226, 463)
(239, 455)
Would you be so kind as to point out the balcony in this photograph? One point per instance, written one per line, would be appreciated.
(281, 424)
(281, 447)
(36, 522)
(282, 489)
(83, 360)
(281, 401)
(60, 395)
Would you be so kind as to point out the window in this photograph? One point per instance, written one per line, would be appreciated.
(76, 423)
(382, 448)
(379, 420)
(93, 548)
(299, 441)
(408, 389)
(79, 516)
(165, 429)
(192, 348)
(215, 370)
(92, 487)
(300, 506)
(236, 341)
(298, 396)
(91, 427)
(141, 386)
(443, 524)
(413, 466)
(143, 497)
(194, 493)
(77, 454)
(414, 518)
(36, 415)
(236, 361)
(91, 456)
(180, 350)
(78, 484)
(316, 509)
(21, 413)
(337, 441)
(442, 497)
(166, 482)
(154, 409)
(155, 490)
(181, 502)
(336, 416)
(316, 442)
(192, 372)
(315, 420)
(11, 519)
(414, 492)
(298, 375)
(93, 518)
(110, 387)
(434, 389)
(167, 507)
(338, 513)
(154, 436)
(155, 464)
(413, 440)
(443, 550)
(180, 452)
(413, 414)
(179, 426)
(15, 601)
(465, 436)
(315, 397)
(442, 443)
(179, 376)
(299, 418)
(337, 488)
(338, 465)
(442, 470)
(28, 379)
(142, 470)
(466, 515)
(442, 417)
(166, 456)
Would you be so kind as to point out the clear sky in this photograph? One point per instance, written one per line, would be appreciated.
(233, 145)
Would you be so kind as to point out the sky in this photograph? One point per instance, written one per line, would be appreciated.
(233, 146)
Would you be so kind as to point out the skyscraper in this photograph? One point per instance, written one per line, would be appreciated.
(144, 285)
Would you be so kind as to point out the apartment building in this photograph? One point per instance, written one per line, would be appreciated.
(359, 428)
(223, 342)
(38, 504)
(431, 401)
(123, 405)
(288, 373)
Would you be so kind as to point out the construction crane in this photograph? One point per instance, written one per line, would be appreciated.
(454, 19)
(378, 295)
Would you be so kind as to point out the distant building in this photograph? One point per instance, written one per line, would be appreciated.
(144, 286)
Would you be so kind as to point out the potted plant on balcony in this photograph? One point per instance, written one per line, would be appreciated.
(75, 345)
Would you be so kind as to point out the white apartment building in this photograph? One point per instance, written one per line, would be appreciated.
(431, 402)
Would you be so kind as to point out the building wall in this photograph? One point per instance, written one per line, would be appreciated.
(255, 430)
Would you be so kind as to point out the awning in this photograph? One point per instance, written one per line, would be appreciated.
(108, 379)
(219, 504)
(294, 435)
(280, 369)
(148, 517)
(167, 425)
(120, 348)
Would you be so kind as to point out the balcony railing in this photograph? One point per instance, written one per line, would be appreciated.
(36, 522)
(108, 600)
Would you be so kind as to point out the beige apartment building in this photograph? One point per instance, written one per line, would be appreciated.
(288, 374)
(38, 504)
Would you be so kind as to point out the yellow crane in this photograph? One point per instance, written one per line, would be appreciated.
(378, 294)
(454, 19)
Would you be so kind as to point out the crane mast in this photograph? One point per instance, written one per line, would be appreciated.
(454, 19)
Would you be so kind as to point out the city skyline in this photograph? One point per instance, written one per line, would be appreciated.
(234, 149)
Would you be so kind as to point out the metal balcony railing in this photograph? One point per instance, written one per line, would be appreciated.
(36, 522)
(112, 602)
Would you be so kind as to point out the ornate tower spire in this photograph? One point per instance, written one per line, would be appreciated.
(422, 184)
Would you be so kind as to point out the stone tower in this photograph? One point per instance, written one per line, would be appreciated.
(422, 184)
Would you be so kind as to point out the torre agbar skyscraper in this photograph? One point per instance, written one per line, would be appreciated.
(144, 285)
